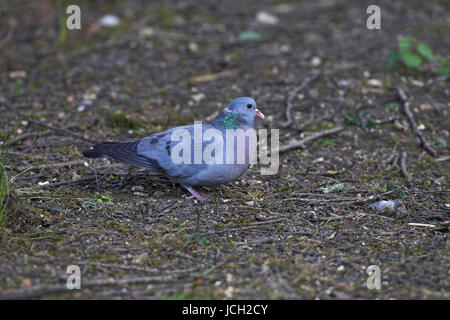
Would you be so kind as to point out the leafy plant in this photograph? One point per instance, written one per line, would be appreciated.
(444, 69)
(199, 238)
(413, 54)
(325, 142)
(99, 199)
(102, 198)
(360, 119)
(393, 105)
(398, 192)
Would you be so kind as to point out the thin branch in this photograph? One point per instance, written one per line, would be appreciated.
(7, 38)
(30, 134)
(301, 144)
(53, 165)
(62, 130)
(65, 183)
(41, 290)
(347, 200)
(45, 207)
(251, 226)
(403, 169)
(293, 94)
(423, 143)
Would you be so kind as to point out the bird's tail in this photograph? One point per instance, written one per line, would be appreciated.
(105, 150)
(94, 152)
(125, 151)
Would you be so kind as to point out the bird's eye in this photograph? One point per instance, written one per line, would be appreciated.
(249, 106)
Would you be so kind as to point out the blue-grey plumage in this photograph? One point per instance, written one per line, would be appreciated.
(156, 152)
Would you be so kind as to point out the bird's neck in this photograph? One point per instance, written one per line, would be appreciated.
(230, 121)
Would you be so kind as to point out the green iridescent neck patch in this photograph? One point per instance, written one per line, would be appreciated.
(230, 121)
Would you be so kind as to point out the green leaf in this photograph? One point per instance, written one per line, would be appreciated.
(404, 44)
(444, 69)
(425, 51)
(325, 142)
(392, 59)
(393, 105)
(411, 60)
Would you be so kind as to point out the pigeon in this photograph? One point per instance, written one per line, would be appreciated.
(158, 151)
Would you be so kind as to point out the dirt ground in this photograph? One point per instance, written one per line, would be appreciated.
(307, 232)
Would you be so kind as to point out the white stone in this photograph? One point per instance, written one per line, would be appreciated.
(266, 18)
(108, 21)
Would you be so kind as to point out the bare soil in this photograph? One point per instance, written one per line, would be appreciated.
(133, 233)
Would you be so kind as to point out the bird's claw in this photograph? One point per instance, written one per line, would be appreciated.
(199, 195)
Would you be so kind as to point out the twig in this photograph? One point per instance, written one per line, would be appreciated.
(214, 268)
(7, 38)
(421, 225)
(41, 290)
(65, 183)
(423, 143)
(394, 163)
(53, 165)
(44, 207)
(29, 134)
(301, 143)
(293, 94)
(185, 256)
(348, 200)
(349, 216)
(76, 135)
(252, 226)
(385, 234)
(390, 158)
(403, 170)
(391, 119)
(136, 268)
(255, 242)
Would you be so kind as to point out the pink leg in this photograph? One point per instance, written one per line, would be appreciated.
(201, 196)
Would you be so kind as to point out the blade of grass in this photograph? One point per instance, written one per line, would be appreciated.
(4, 191)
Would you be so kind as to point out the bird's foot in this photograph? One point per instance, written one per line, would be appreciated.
(199, 195)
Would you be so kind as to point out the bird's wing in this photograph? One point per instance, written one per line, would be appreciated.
(159, 147)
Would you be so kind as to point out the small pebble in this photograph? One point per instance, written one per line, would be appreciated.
(391, 205)
(316, 61)
(109, 20)
(266, 18)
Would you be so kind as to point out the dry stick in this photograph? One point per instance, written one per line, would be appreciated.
(136, 268)
(301, 143)
(349, 216)
(252, 226)
(53, 165)
(7, 38)
(293, 94)
(76, 135)
(259, 241)
(423, 143)
(65, 183)
(39, 290)
(44, 207)
(29, 134)
(403, 170)
(394, 163)
(390, 158)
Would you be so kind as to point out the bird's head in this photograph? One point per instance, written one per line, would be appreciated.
(240, 112)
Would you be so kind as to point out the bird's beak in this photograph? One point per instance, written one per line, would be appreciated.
(259, 114)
